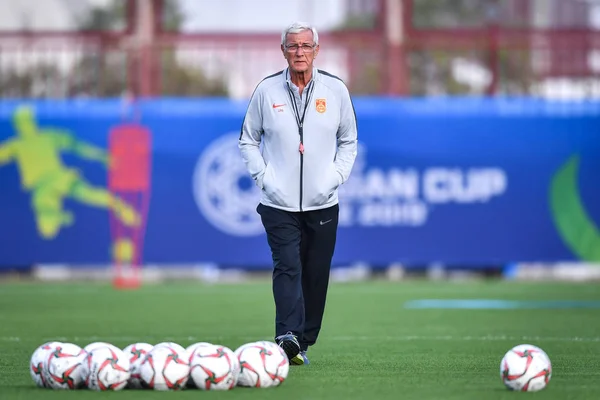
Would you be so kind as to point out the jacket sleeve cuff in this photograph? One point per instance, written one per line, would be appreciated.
(340, 178)
(259, 180)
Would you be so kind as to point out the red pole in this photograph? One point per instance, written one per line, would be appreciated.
(395, 31)
(143, 37)
(494, 64)
(493, 41)
(158, 10)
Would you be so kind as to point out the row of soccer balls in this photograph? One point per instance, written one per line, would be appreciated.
(166, 366)
(526, 368)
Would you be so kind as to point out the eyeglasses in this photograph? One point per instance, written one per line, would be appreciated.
(292, 48)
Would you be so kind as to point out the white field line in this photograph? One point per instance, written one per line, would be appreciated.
(265, 288)
(141, 338)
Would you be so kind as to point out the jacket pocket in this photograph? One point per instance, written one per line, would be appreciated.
(269, 186)
(263, 178)
(327, 187)
(334, 182)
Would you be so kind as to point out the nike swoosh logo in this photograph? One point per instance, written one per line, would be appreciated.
(324, 222)
(278, 105)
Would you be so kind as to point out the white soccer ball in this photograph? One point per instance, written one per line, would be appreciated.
(273, 346)
(64, 367)
(262, 365)
(164, 368)
(190, 352)
(242, 347)
(95, 345)
(214, 367)
(190, 349)
(525, 368)
(177, 347)
(136, 353)
(39, 362)
(106, 368)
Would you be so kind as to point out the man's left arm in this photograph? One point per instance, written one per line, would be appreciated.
(347, 137)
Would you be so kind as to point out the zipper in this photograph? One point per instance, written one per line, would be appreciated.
(300, 122)
(301, 149)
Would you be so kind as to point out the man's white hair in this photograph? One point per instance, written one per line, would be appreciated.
(298, 27)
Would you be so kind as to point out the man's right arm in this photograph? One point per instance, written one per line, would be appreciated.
(250, 138)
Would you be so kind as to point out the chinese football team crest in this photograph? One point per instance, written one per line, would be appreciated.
(321, 105)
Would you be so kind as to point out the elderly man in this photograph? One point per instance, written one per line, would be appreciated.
(305, 119)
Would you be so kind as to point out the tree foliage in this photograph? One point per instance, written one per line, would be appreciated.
(103, 70)
(440, 71)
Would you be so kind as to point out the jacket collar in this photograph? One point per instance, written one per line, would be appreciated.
(287, 78)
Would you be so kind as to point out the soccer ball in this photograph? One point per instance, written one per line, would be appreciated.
(273, 346)
(214, 367)
(175, 346)
(39, 362)
(95, 345)
(65, 365)
(136, 353)
(190, 352)
(526, 368)
(164, 369)
(190, 349)
(181, 351)
(106, 368)
(262, 365)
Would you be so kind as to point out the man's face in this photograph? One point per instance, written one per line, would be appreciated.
(300, 51)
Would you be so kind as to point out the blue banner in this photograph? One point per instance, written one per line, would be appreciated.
(458, 181)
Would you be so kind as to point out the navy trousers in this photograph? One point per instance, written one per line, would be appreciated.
(302, 246)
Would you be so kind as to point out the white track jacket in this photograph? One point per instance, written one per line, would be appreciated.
(299, 150)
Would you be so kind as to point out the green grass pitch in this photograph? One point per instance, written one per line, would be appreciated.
(371, 347)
